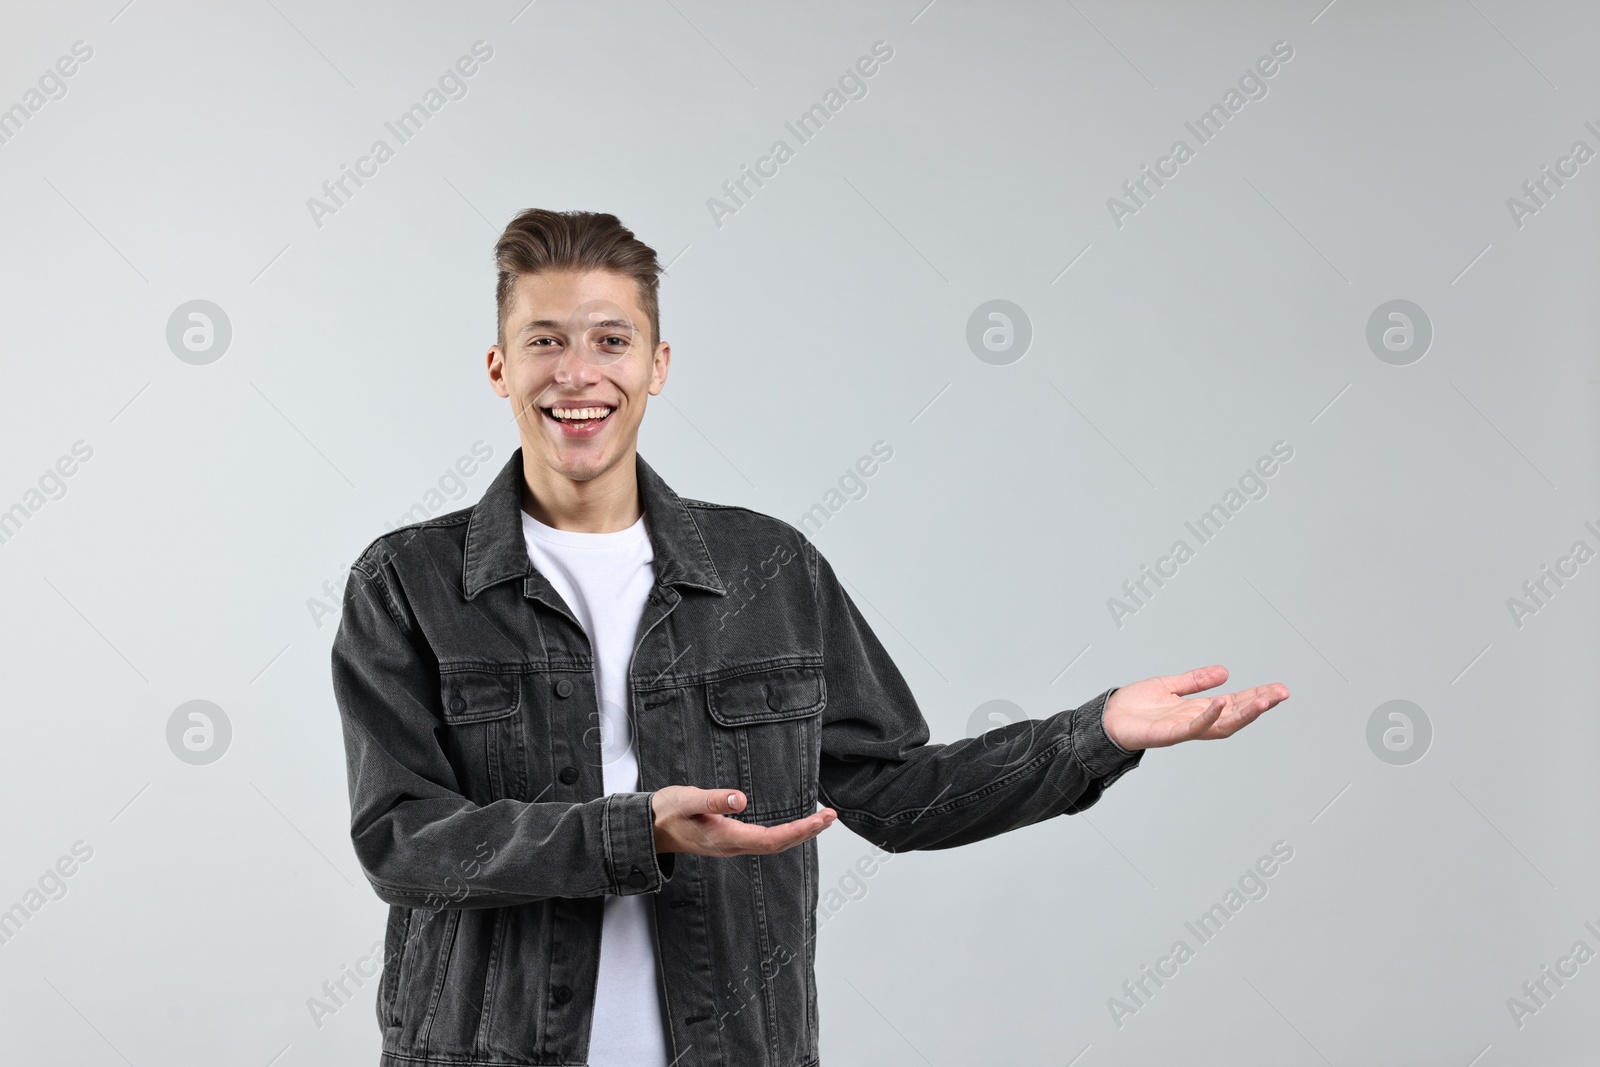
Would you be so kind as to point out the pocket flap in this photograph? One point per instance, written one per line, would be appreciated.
(767, 696)
(478, 696)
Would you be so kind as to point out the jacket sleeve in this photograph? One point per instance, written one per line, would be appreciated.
(892, 787)
(421, 842)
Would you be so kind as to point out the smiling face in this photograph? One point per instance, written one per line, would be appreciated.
(576, 341)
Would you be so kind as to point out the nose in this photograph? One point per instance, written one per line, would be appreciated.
(571, 366)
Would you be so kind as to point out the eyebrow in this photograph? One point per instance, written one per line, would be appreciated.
(551, 324)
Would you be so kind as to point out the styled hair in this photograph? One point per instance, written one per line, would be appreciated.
(538, 240)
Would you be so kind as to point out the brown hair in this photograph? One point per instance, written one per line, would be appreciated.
(538, 240)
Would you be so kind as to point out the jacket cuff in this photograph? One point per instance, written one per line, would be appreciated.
(1104, 758)
(632, 863)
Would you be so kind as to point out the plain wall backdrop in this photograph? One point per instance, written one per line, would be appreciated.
(248, 380)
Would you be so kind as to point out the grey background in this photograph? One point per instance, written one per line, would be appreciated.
(828, 313)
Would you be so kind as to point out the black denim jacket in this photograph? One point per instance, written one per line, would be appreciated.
(467, 694)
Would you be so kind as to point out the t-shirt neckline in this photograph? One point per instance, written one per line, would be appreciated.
(579, 539)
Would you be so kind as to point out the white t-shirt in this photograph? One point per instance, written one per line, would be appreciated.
(605, 579)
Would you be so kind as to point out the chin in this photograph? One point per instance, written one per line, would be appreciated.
(579, 464)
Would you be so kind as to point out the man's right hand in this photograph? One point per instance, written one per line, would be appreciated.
(688, 819)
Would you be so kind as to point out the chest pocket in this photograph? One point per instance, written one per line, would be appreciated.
(766, 737)
(483, 735)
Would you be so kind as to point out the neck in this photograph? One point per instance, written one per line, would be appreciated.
(603, 504)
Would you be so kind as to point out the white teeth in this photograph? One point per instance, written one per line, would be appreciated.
(579, 413)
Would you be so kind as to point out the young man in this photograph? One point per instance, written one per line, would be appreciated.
(589, 722)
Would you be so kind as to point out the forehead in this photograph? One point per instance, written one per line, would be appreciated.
(555, 294)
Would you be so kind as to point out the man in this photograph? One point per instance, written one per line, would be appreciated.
(589, 723)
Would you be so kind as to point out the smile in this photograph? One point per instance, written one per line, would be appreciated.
(579, 422)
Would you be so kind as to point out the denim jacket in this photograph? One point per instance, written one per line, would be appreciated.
(467, 695)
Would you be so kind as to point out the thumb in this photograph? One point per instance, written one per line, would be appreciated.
(1197, 680)
(723, 801)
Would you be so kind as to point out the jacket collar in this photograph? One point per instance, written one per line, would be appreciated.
(496, 550)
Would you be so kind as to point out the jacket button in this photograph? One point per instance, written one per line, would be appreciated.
(569, 775)
(457, 704)
(774, 701)
(563, 688)
(563, 994)
(636, 878)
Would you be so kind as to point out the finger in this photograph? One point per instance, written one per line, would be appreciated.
(742, 838)
(723, 801)
(824, 819)
(735, 838)
(788, 835)
(1197, 680)
(1207, 718)
(1274, 692)
(1244, 707)
(1246, 712)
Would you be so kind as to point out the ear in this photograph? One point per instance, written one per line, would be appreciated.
(495, 360)
(658, 370)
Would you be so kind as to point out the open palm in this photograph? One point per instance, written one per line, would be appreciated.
(1158, 712)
